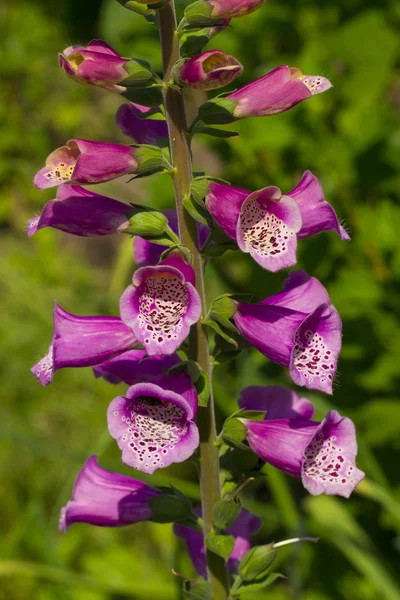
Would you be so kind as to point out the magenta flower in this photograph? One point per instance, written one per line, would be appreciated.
(217, 9)
(82, 212)
(134, 366)
(131, 119)
(267, 224)
(153, 423)
(106, 499)
(85, 162)
(147, 253)
(278, 402)
(82, 342)
(322, 454)
(276, 92)
(161, 305)
(297, 328)
(98, 64)
(245, 525)
(210, 70)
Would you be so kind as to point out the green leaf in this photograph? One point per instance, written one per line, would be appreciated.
(199, 213)
(256, 561)
(219, 133)
(203, 389)
(243, 587)
(218, 111)
(220, 543)
(219, 329)
(172, 506)
(220, 357)
(234, 432)
(197, 589)
(225, 513)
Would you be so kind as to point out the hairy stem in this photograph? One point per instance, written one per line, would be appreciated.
(199, 351)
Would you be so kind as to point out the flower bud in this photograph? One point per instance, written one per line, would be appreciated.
(210, 70)
(276, 92)
(98, 64)
(146, 222)
(204, 11)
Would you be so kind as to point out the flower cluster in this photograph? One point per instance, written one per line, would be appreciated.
(154, 421)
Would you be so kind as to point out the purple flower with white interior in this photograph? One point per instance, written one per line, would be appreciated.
(267, 224)
(133, 121)
(95, 64)
(82, 212)
(85, 162)
(296, 328)
(322, 454)
(161, 305)
(82, 342)
(276, 92)
(134, 366)
(244, 527)
(153, 423)
(278, 402)
(210, 70)
(106, 499)
(147, 253)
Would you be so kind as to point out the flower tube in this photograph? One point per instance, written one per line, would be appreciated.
(85, 162)
(297, 328)
(106, 499)
(100, 65)
(322, 454)
(82, 342)
(82, 212)
(210, 70)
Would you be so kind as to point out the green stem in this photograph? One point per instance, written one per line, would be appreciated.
(199, 350)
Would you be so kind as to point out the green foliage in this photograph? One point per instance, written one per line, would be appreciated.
(349, 137)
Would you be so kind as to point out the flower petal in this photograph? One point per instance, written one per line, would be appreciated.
(102, 161)
(60, 167)
(329, 463)
(131, 120)
(160, 307)
(134, 366)
(82, 214)
(224, 202)
(267, 227)
(82, 342)
(152, 427)
(316, 351)
(270, 329)
(300, 292)
(106, 499)
(317, 214)
(278, 401)
(281, 442)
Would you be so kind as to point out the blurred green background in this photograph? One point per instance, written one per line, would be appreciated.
(350, 138)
